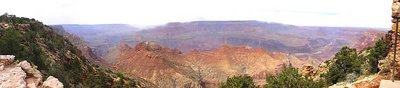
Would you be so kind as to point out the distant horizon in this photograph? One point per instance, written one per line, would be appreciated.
(150, 26)
(336, 13)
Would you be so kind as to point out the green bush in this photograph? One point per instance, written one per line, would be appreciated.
(376, 53)
(346, 61)
(243, 81)
(10, 42)
(290, 78)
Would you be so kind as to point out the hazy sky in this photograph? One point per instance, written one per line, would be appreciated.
(354, 13)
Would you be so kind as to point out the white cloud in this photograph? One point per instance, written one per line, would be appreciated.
(360, 13)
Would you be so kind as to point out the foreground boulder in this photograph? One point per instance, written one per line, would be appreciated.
(52, 82)
(23, 75)
(389, 84)
(13, 77)
(6, 59)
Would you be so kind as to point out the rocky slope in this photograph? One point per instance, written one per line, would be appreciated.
(77, 42)
(30, 40)
(23, 75)
(171, 68)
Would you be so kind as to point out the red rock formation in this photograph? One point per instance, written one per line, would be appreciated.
(153, 63)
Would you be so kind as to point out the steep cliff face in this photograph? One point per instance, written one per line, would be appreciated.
(30, 40)
(171, 68)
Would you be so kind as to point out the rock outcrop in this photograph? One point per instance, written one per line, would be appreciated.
(35, 75)
(155, 64)
(4, 26)
(23, 75)
(6, 59)
(315, 73)
(308, 70)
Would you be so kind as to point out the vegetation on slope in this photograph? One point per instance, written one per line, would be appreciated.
(30, 40)
(376, 53)
(289, 78)
(348, 64)
(243, 81)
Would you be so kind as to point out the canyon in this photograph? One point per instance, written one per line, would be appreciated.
(316, 44)
(204, 53)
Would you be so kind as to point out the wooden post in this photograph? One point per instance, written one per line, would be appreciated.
(395, 48)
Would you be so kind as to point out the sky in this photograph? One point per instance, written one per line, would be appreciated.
(338, 13)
